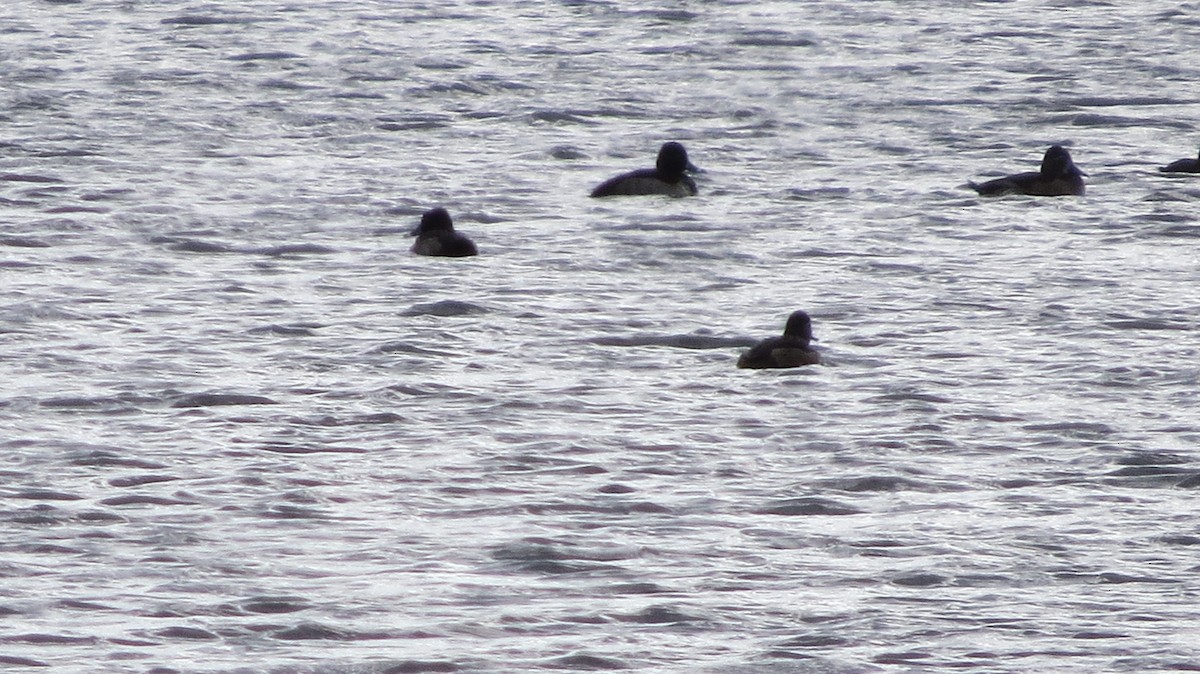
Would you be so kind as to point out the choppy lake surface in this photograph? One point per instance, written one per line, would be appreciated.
(244, 430)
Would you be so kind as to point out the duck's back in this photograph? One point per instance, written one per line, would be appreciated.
(1182, 166)
(444, 244)
(1032, 183)
(778, 352)
(645, 182)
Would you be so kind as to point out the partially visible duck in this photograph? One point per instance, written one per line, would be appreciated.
(790, 350)
(436, 236)
(669, 176)
(1182, 166)
(1058, 177)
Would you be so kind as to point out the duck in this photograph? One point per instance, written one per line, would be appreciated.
(669, 177)
(1182, 166)
(789, 350)
(436, 236)
(1058, 177)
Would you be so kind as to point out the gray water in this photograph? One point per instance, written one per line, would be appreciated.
(244, 430)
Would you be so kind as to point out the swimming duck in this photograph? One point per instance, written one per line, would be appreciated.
(1058, 177)
(790, 350)
(436, 236)
(669, 177)
(1182, 166)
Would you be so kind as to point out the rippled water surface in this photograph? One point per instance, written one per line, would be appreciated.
(245, 430)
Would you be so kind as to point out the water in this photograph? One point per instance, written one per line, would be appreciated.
(245, 431)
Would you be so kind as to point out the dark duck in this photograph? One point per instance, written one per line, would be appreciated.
(789, 350)
(436, 236)
(1058, 177)
(1182, 166)
(669, 177)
